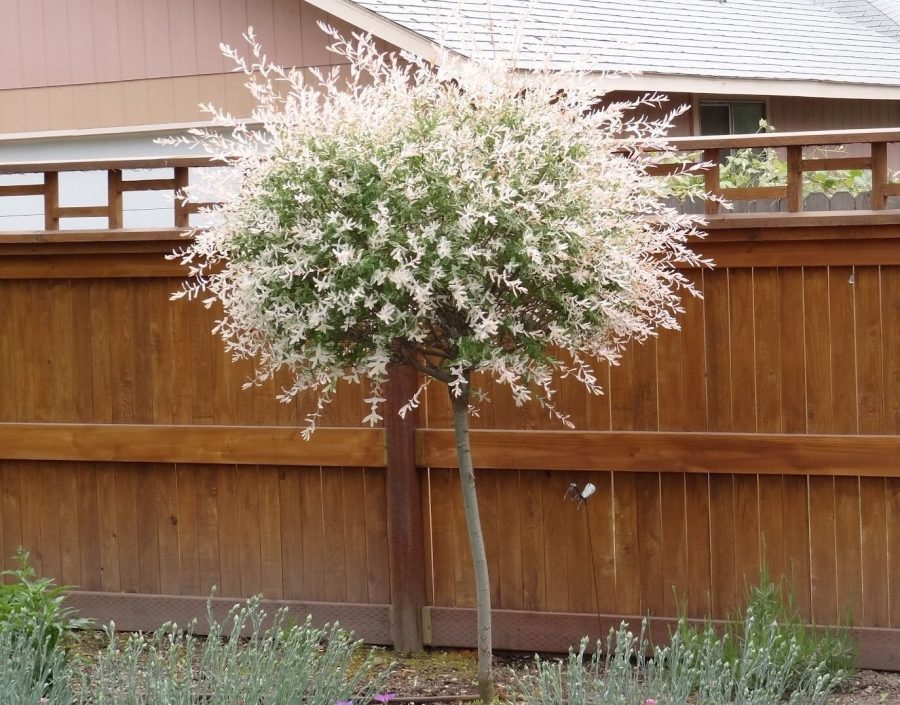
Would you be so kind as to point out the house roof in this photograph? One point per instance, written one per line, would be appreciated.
(832, 48)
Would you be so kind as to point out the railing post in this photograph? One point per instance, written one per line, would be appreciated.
(114, 197)
(795, 178)
(51, 200)
(182, 177)
(404, 512)
(711, 179)
(878, 197)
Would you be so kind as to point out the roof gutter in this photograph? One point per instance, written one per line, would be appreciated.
(749, 87)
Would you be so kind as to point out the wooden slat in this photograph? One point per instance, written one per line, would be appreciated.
(818, 219)
(785, 139)
(836, 163)
(105, 164)
(82, 212)
(753, 192)
(669, 169)
(802, 253)
(869, 456)
(149, 185)
(139, 612)
(22, 190)
(191, 444)
(98, 238)
(191, 208)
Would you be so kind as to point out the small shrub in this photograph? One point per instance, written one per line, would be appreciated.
(773, 608)
(240, 661)
(33, 615)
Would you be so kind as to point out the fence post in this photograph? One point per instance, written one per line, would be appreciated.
(404, 513)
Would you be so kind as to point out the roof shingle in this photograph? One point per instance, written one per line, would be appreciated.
(836, 41)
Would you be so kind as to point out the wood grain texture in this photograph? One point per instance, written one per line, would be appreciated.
(124, 442)
(727, 453)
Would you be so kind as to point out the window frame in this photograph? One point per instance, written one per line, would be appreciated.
(699, 99)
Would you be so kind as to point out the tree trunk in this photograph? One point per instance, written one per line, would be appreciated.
(476, 543)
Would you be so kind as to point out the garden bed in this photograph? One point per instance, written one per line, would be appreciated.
(449, 675)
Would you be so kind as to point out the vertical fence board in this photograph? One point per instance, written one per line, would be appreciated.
(531, 516)
(509, 564)
(379, 583)
(822, 550)
(722, 531)
(697, 499)
(628, 575)
(598, 513)
(269, 521)
(874, 544)
(334, 543)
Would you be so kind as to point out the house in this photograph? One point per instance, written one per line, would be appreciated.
(801, 65)
(101, 73)
(103, 78)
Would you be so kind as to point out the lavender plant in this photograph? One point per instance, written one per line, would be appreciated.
(464, 217)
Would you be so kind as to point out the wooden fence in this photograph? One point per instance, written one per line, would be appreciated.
(134, 466)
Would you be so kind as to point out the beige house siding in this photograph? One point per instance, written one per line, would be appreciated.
(73, 42)
(94, 64)
(795, 114)
(120, 103)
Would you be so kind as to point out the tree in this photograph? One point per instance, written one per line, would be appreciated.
(463, 217)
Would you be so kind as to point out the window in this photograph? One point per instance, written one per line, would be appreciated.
(731, 117)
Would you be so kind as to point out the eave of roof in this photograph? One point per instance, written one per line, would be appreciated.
(404, 38)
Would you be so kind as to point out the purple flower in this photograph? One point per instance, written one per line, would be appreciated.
(344, 702)
(384, 698)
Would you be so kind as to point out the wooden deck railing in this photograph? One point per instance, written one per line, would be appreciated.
(113, 209)
(713, 149)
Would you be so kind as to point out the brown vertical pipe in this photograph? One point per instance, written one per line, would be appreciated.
(404, 512)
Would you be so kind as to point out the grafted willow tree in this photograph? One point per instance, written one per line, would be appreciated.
(464, 217)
